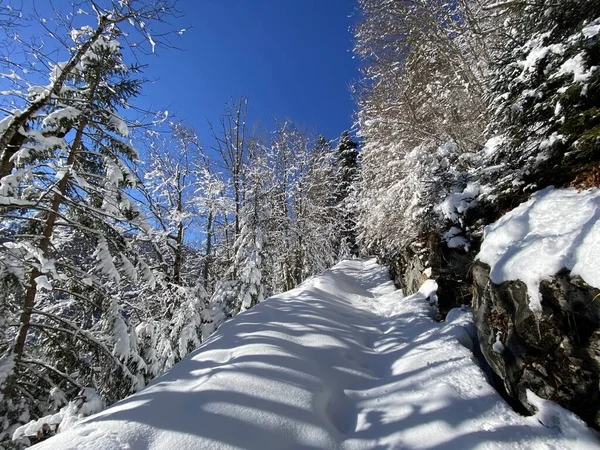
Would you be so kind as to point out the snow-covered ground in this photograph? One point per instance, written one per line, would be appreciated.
(341, 362)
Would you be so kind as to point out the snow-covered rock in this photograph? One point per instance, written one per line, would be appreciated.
(556, 229)
(537, 317)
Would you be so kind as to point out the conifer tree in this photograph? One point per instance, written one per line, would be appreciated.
(68, 250)
(347, 160)
(544, 96)
(318, 224)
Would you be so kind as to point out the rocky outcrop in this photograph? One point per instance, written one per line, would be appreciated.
(557, 356)
(433, 259)
(407, 268)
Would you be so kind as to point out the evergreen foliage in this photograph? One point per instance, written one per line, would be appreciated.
(544, 96)
(470, 105)
(114, 266)
(347, 160)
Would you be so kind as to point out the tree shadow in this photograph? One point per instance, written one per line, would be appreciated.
(309, 370)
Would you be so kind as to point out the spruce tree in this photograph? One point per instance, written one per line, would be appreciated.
(347, 161)
(70, 249)
(545, 95)
(250, 245)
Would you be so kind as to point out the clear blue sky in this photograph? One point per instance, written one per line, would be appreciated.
(291, 58)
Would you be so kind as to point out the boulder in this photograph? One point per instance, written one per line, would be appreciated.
(556, 355)
(449, 267)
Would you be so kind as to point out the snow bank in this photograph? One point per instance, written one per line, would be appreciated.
(551, 415)
(86, 404)
(341, 362)
(556, 229)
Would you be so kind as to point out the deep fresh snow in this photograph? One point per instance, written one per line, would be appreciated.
(341, 362)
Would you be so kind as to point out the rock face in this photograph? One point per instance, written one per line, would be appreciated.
(449, 267)
(558, 356)
(407, 268)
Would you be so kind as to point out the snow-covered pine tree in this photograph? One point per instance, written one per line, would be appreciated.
(347, 161)
(249, 252)
(110, 15)
(216, 309)
(250, 245)
(67, 247)
(168, 323)
(544, 92)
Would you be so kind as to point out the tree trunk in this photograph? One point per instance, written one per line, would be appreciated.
(29, 301)
(178, 254)
(6, 164)
(236, 230)
(178, 260)
(208, 256)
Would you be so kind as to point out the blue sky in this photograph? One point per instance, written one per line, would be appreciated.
(291, 58)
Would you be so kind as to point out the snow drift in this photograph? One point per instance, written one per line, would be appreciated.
(341, 362)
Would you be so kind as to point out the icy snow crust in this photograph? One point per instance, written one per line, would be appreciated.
(556, 229)
(341, 362)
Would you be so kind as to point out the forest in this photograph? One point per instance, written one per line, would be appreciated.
(126, 241)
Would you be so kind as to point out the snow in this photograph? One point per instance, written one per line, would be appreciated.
(494, 144)
(105, 261)
(128, 268)
(554, 416)
(119, 332)
(86, 403)
(550, 141)
(591, 30)
(85, 31)
(538, 52)
(587, 32)
(114, 174)
(453, 240)
(458, 203)
(56, 72)
(119, 125)
(152, 43)
(341, 362)
(556, 229)
(68, 113)
(6, 121)
(42, 282)
(576, 67)
(498, 346)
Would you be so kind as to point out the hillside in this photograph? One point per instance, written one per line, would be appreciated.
(340, 362)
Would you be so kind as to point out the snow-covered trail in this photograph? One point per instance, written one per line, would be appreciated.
(341, 362)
